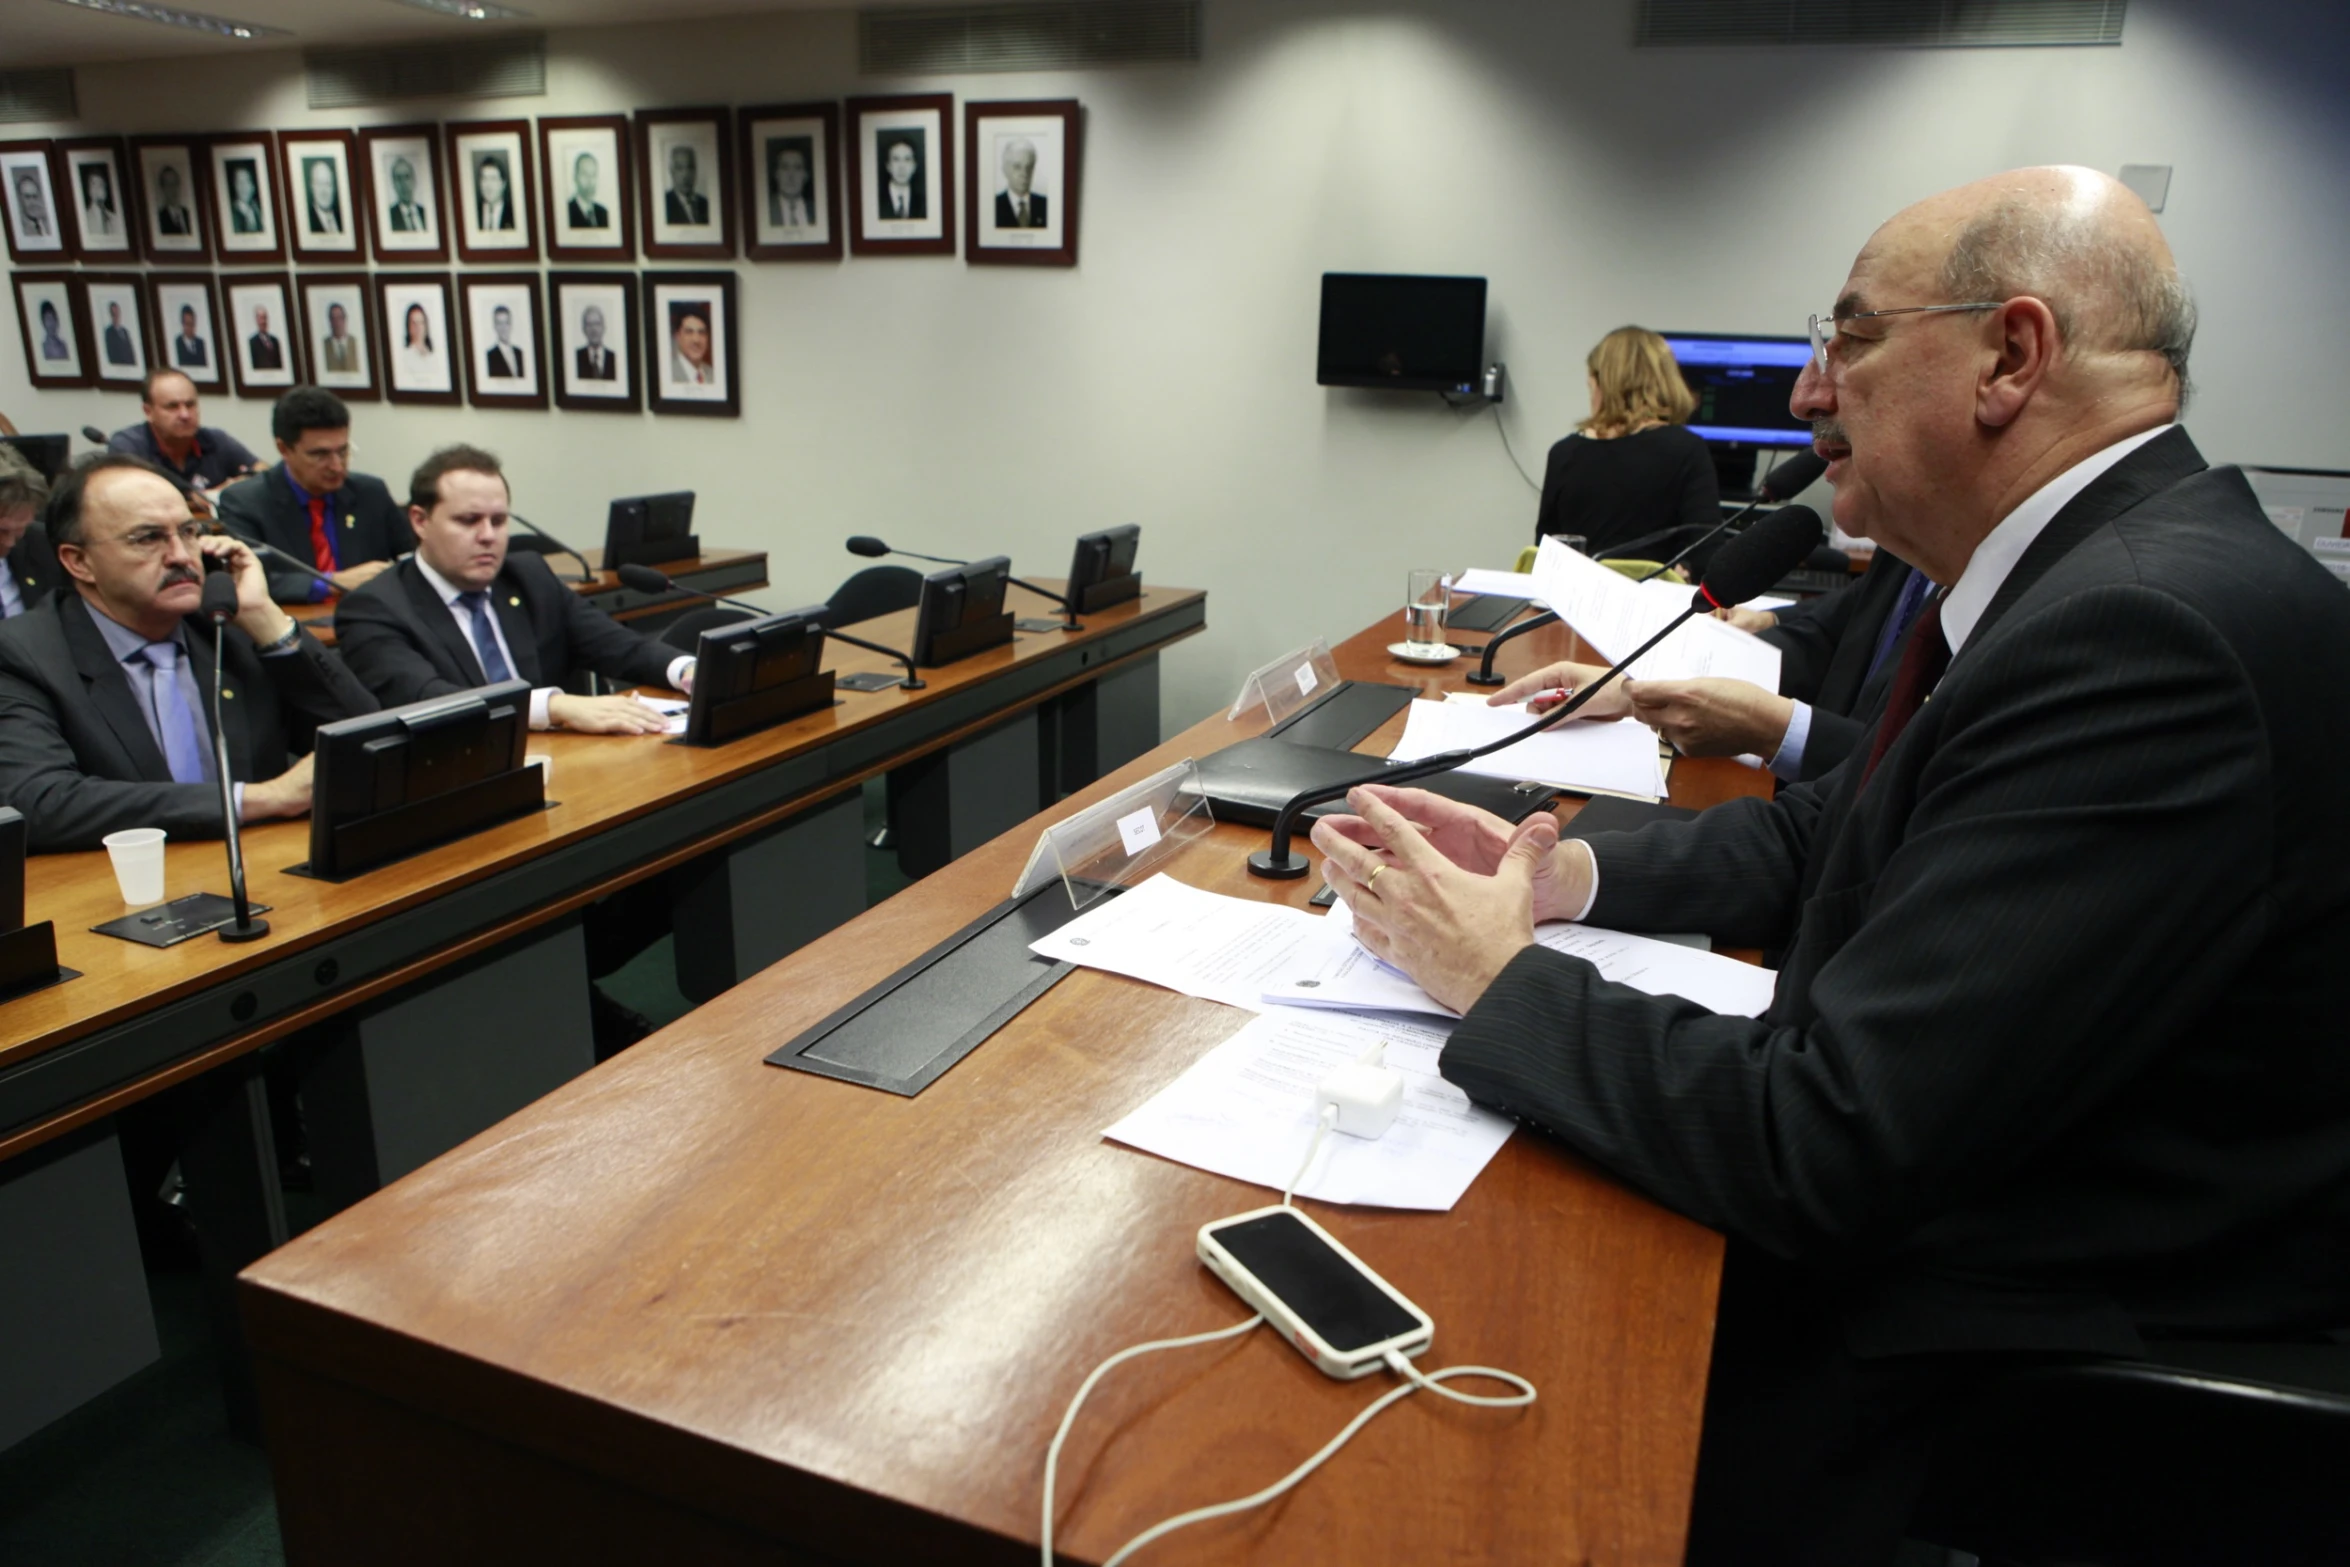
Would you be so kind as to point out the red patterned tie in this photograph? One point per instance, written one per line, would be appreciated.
(322, 544)
(1922, 664)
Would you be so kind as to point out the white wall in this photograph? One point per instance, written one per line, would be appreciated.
(1168, 380)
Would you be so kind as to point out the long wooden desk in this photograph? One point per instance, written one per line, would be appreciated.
(695, 1308)
(713, 571)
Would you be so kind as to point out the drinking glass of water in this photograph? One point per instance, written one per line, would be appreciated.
(1427, 598)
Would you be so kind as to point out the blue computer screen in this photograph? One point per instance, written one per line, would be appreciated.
(1742, 386)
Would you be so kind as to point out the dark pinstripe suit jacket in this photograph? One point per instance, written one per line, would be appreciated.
(1825, 645)
(2057, 1052)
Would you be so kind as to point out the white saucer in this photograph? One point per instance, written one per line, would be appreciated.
(1412, 655)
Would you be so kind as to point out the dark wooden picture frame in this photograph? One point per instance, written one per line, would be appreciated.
(392, 234)
(352, 199)
(568, 294)
(663, 292)
(317, 346)
(757, 128)
(39, 157)
(251, 382)
(935, 171)
(185, 156)
(562, 141)
(210, 374)
(232, 245)
(522, 203)
(660, 236)
(90, 243)
(142, 324)
(392, 335)
(990, 132)
(73, 332)
(482, 354)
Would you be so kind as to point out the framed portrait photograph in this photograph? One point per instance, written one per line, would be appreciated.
(490, 177)
(684, 177)
(325, 195)
(185, 307)
(403, 164)
(505, 366)
(56, 344)
(115, 305)
(595, 366)
(587, 200)
(338, 333)
(418, 330)
(264, 351)
(1020, 183)
(790, 160)
(98, 198)
(901, 175)
(167, 180)
(690, 359)
(28, 189)
(244, 197)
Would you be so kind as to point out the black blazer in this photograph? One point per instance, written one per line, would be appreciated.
(599, 367)
(917, 205)
(505, 363)
(77, 758)
(1825, 645)
(403, 643)
(2056, 1057)
(369, 525)
(33, 563)
(1005, 218)
(597, 216)
(268, 354)
(686, 209)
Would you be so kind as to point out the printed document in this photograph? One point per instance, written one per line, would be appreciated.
(1199, 943)
(1589, 758)
(1502, 584)
(1615, 615)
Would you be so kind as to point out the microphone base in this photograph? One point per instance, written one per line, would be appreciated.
(253, 930)
(1477, 678)
(911, 684)
(1290, 868)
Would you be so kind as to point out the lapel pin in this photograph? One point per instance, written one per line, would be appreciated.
(517, 603)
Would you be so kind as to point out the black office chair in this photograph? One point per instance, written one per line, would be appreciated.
(685, 632)
(877, 590)
(2207, 1453)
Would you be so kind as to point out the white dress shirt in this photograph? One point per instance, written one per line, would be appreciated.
(681, 668)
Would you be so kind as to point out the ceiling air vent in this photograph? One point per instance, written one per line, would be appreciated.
(504, 65)
(1928, 24)
(35, 95)
(1037, 37)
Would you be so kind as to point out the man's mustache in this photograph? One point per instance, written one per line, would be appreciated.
(174, 575)
(1830, 431)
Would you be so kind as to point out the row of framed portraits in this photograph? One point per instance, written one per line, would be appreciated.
(602, 341)
(679, 184)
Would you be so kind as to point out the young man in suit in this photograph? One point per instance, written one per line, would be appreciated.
(28, 564)
(461, 612)
(312, 506)
(105, 713)
(266, 351)
(2052, 1067)
(585, 211)
(681, 202)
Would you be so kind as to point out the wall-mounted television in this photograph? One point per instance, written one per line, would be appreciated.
(1407, 333)
(1743, 385)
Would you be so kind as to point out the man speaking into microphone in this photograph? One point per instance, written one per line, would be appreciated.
(104, 722)
(2053, 1066)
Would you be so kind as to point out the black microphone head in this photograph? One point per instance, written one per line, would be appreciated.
(1756, 559)
(94, 435)
(644, 579)
(867, 545)
(1793, 475)
(220, 596)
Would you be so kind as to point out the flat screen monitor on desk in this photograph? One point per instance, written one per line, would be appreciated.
(755, 673)
(962, 612)
(1743, 385)
(49, 454)
(1404, 333)
(1102, 571)
(388, 784)
(650, 530)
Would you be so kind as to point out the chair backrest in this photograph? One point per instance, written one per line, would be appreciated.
(529, 544)
(1526, 560)
(877, 590)
(685, 632)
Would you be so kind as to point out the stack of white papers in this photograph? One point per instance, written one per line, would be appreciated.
(1589, 758)
(1503, 584)
(1616, 615)
(1196, 943)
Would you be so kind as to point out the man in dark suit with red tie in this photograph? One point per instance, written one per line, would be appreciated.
(2054, 1060)
(312, 506)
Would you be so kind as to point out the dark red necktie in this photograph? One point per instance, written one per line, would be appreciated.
(1922, 664)
(322, 544)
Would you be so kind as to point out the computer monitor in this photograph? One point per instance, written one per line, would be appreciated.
(962, 612)
(50, 455)
(386, 785)
(1743, 385)
(650, 530)
(755, 673)
(1102, 572)
(1414, 334)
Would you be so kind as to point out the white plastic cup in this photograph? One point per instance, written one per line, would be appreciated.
(137, 853)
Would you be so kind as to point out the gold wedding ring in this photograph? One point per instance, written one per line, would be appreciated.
(1374, 876)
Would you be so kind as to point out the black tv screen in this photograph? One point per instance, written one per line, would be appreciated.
(1414, 334)
(1743, 385)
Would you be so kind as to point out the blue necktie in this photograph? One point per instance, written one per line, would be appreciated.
(183, 737)
(1897, 624)
(485, 636)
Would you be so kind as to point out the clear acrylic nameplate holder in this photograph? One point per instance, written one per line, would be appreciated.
(1289, 682)
(1122, 840)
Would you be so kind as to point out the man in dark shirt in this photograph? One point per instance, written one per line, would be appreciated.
(175, 438)
(313, 507)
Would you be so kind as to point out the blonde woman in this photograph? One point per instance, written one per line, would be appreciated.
(1633, 468)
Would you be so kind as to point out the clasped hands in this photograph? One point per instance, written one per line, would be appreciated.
(1444, 891)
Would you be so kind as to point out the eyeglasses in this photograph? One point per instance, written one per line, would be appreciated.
(153, 540)
(1824, 329)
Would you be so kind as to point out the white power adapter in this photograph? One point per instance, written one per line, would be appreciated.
(1366, 1095)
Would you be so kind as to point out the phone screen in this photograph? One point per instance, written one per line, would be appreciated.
(1328, 1293)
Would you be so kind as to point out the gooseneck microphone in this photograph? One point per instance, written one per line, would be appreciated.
(587, 573)
(291, 562)
(220, 607)
(646, 579)
(94, 435)
(871, 548)
(1746, 566)
(1484, 675)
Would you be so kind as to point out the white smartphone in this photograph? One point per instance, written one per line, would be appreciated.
(1317, 1294)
